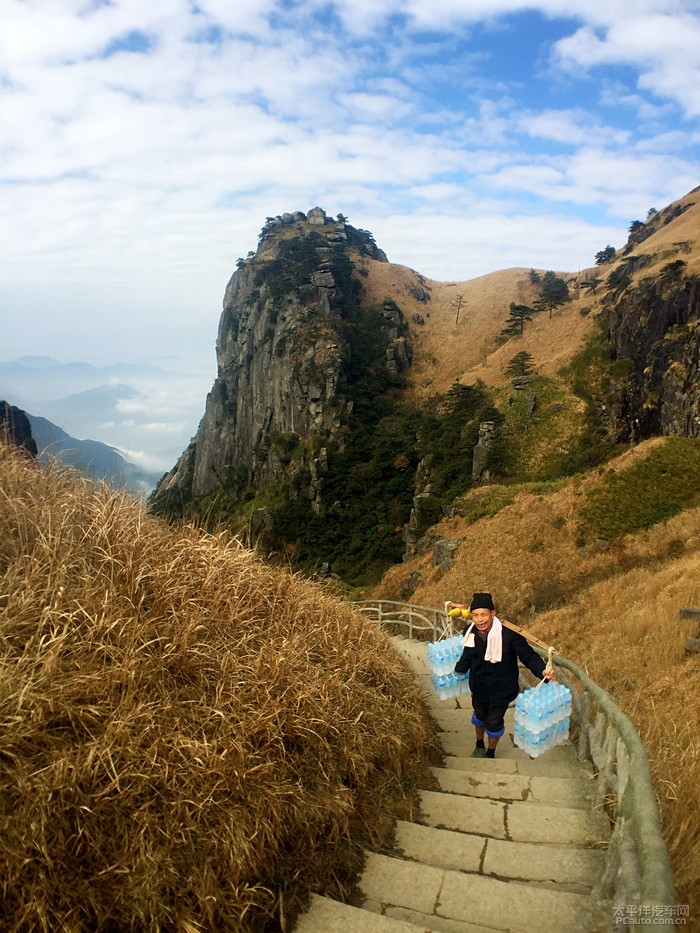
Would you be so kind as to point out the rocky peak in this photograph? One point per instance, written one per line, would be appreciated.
(288, 349)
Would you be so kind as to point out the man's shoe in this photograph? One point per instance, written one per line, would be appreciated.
(479, 752)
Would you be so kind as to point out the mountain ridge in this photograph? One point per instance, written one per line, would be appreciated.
(331, 359)
(93, 458)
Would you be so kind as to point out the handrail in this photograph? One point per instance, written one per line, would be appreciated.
(637, 869)
(617, 751)
(434, 619)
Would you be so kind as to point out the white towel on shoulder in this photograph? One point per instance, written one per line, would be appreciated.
(494, 643)
(468, 640)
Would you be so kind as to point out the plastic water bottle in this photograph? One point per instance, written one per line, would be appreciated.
(447, 662)
(518, 735)
(528, 743)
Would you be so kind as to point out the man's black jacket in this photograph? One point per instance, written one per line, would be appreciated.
(498, 683)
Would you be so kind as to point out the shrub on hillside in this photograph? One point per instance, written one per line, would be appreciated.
(189, 736)
(650, 491)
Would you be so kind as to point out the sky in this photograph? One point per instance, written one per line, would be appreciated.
(143, 145)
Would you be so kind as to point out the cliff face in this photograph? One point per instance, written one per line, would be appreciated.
(285, 361)
(657, 326)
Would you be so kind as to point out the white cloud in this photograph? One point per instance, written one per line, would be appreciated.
(665, 48)
(572, 127)
(472, 244)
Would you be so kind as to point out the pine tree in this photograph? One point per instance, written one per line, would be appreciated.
(554, 292)
(518, 315)
(520, 365)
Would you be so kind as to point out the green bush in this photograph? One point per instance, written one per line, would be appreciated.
(650, 491)
(488, 503)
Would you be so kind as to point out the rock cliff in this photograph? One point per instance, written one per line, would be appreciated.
(656, 325)
(289, 347)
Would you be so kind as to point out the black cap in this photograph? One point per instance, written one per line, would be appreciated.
(482, 601)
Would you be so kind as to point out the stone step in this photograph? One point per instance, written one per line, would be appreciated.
(462, 743)
(555, 791)
(543, 862)
(327, 916)
(504, 859)
(518, 820)
(435, 924)
(535, 822)
(466, 814)
(441, 848)
(557, 762)
(388, 883)
(456, 720)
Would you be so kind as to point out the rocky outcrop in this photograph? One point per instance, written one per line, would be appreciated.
(424, 513)
(16, 429)
(285, 354)
(443, 553)
(480, 470)
(657, 327)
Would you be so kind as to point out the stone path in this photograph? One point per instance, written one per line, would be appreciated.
(509, 845)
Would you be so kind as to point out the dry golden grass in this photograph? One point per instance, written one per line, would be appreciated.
(190, 738)
(614, 612)
(446, 351)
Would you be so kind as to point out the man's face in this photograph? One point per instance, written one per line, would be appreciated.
(483, 619)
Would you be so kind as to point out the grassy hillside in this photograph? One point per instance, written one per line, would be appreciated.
(470, 347)
(191, 739)
(609, 603)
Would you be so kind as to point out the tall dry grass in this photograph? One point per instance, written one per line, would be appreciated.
(188, 735)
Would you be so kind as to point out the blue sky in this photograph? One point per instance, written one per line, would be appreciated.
(143, 145)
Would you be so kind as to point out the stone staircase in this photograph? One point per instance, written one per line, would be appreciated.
(510, 845)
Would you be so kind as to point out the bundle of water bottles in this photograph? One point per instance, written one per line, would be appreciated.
(542, 718)
(442, 657)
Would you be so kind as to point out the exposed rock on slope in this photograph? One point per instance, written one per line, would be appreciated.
(15, 428)
(652, 309)
(657, 326)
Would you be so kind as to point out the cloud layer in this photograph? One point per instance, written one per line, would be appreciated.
(143, 145)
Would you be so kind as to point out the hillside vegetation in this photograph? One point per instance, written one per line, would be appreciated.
(191, 739)
(610, 604)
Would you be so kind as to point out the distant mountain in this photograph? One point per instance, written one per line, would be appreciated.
(91, 457)
(148, 413)
(36, 362)
(35, 378)
(90, 409)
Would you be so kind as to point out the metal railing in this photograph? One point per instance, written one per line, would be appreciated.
(637, 869)
(424, 621)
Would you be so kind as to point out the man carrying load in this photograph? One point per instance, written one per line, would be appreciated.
(491, 653)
